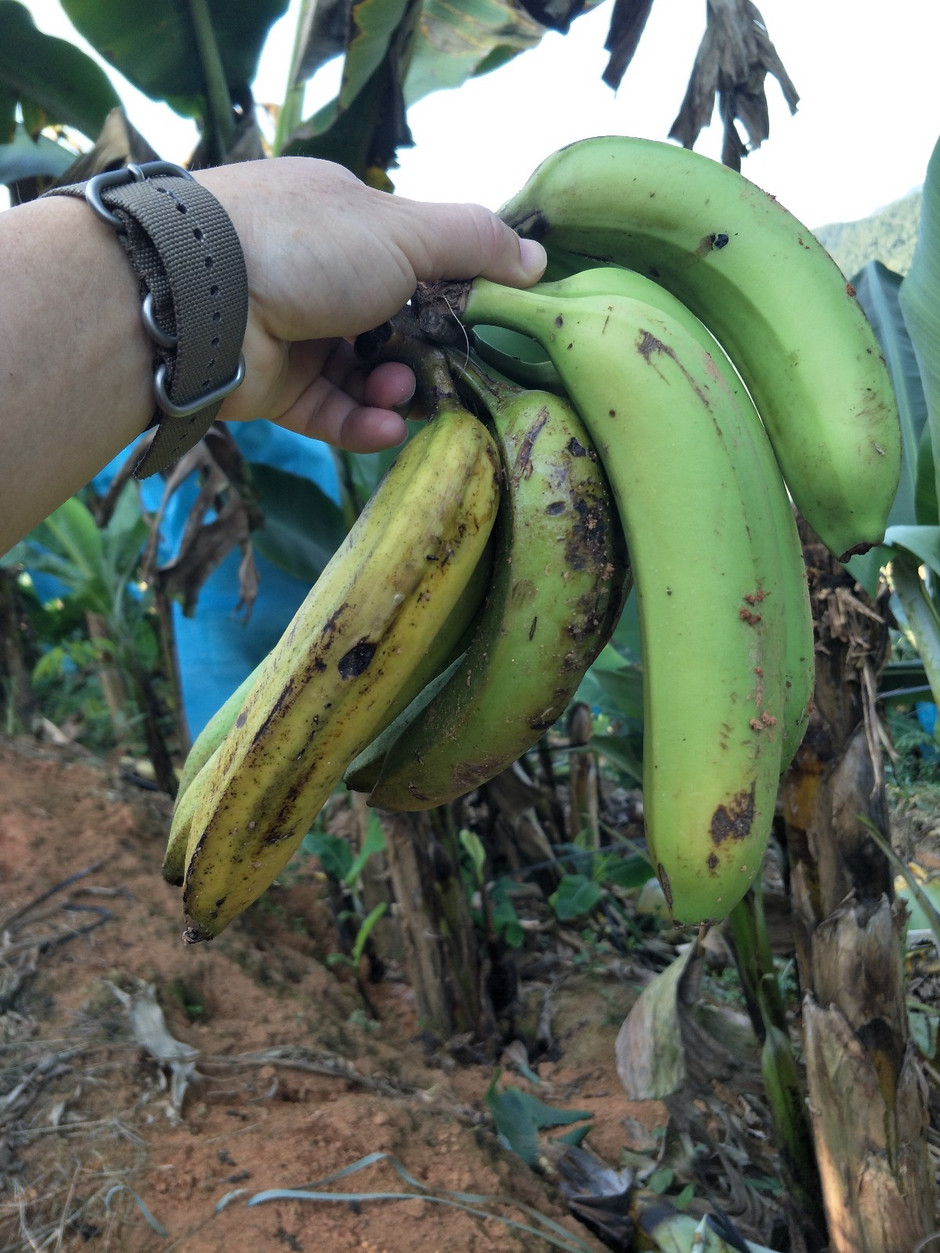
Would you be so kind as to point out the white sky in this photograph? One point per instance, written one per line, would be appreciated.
(868, 118)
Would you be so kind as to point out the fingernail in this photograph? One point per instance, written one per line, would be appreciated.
(533, 256)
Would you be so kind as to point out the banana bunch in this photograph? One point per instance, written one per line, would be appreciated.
(765, 287)
(558, 585)
(451, 628)
(388, 609)
(721, 366)
(645, 420)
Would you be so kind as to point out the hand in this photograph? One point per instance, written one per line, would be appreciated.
(328, 258)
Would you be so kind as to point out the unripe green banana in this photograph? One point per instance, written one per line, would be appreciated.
(558, 586)
(181, 824)
(679, 457)
(767, 290)
(782, 555)
(335, 674)
(203, 747)
(364, 772)
(214, 732)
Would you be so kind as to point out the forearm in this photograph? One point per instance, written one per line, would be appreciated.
(326, 258)
(76, 362)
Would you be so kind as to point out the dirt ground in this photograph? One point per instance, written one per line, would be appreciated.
(144, 1082)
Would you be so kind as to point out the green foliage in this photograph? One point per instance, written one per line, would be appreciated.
(916, 759)
(363, 932)
(159, 48)
(53, 82)
(519, 1117)
(96, 566)
(394, 60)
(904, 314)
(96, 569)
(25, 158)
(336, 856)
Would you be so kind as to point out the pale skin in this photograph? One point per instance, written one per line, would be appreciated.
(327, 258)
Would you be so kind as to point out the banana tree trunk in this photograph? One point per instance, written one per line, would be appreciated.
(437, 934)
(867, 1092)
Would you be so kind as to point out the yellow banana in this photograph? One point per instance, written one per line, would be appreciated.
(448, 643)
(558, 587)
(767, 290)
(335, 674)
(677, 451)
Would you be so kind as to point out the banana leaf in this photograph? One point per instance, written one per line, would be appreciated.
(26, 158)
(395, 53)
(55, 83)
(920, 302)
(878, 289)
(157, 47)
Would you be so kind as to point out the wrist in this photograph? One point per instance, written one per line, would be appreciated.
(190, 272)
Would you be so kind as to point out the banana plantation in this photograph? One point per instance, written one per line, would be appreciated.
(524, 838)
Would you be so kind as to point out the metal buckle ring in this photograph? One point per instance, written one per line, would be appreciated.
(129, 173)
(201, 402)
(159, 336)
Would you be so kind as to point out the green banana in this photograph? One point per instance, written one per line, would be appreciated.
(679, 455)
(214, 732)
(783, 550)
(203, 747)
(558, 587)
(764, 286)
(364, 772)
(334, 676)
(181, 824)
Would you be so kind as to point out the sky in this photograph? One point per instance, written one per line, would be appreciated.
(867, 122)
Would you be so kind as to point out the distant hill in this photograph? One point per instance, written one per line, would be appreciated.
(887, 236)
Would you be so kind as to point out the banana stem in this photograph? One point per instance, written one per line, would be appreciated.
(220, 124)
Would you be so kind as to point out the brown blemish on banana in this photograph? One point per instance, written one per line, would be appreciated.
(586, 545)
(649, 346)
(522, 465)
(734, 820)
(664, 883)
(356, 661)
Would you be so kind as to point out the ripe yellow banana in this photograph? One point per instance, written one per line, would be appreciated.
(558, 587)
(764, 286)
(782, 557)
(450, 640)
(334, 676)
(679, 456)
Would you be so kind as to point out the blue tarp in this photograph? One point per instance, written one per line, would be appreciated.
(218, 647)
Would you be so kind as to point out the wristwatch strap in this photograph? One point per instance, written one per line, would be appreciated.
(194, 292)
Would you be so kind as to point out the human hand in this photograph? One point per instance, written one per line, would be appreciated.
(327, 258)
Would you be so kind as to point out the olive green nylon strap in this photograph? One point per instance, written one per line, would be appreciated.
(194, 288)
